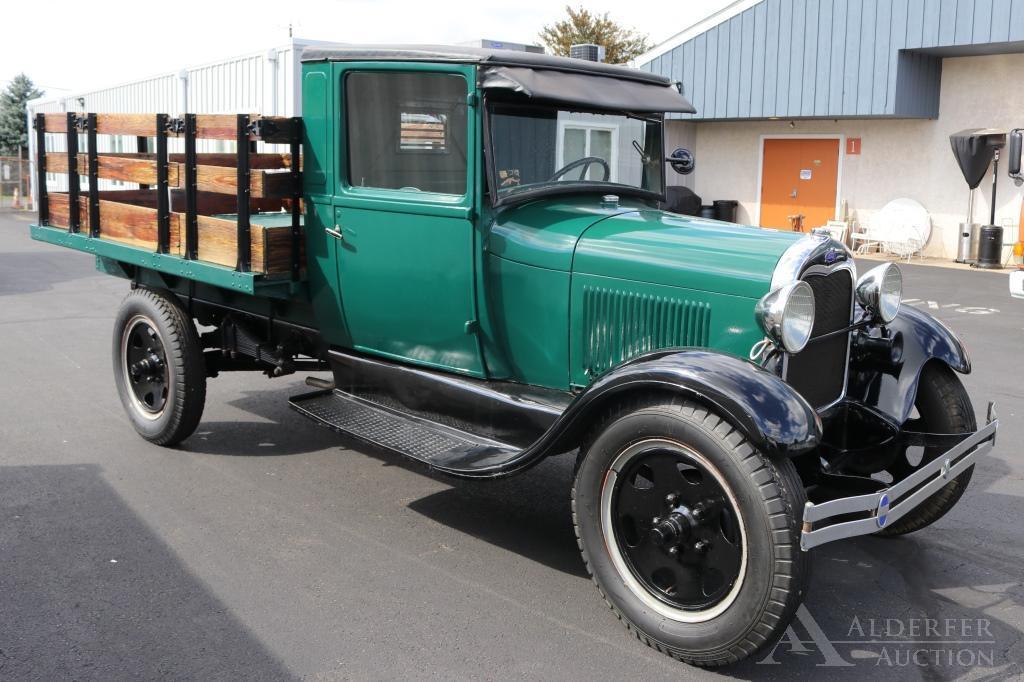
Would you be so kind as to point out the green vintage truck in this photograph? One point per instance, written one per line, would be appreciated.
(472, 243)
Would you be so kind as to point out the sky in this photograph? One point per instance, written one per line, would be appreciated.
(107, 42)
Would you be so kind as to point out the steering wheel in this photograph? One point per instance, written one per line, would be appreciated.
(585, 163)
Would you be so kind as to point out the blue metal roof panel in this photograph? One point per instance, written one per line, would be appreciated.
(834, 58)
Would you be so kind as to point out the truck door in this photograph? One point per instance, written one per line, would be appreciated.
(403, 212)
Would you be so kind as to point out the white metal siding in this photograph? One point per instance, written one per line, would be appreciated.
(264, 82)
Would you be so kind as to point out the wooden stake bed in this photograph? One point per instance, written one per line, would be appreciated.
(225, 212)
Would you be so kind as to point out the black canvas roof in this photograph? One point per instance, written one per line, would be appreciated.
(476, 55)
(540, 77)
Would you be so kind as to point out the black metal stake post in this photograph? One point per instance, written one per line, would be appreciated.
(94, 177)
(995, 177)
(43, 203)
(243, 178)
(74, 218)
(142, 147)
(163, 200)
(191, 212)
(296, 145)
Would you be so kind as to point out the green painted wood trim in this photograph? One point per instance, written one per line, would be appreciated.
(216, 275)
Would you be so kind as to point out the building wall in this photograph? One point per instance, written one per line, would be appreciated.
(681, 134)
(899, 158)
(817, 58)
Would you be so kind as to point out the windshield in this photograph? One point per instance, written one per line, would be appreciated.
(536, 148)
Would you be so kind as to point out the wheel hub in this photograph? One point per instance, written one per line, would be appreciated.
(676, 528)
(145, 366)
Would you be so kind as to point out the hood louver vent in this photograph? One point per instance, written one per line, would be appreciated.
(621, 325)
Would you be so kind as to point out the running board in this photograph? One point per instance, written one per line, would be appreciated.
(439, 446)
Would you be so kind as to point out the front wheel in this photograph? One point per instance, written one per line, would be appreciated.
(158, 367)
(942, 406)
(689, 532)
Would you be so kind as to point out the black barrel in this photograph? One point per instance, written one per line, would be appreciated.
(725, 209)
(990, 247)
(708, 212)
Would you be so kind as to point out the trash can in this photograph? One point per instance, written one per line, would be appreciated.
(990, 247)
(708, 212)
(725, 209)
(967, 245)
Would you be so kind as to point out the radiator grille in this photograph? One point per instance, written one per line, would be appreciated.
(818, 372)
(620, 325)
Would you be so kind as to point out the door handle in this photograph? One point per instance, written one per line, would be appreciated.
(793, 194)
(336, 232)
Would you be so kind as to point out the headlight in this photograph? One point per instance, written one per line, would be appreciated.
(880, 290)
(787, 315)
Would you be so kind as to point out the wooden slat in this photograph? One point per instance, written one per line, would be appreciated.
(262, 184)
(208, 126)
(224, 127)
(138, 197)
(212, 203)
(139, 125)
(136, 225)
(59, 214)
(218, 243)
(120, 222)
(279, 248)
(56, 123)
(229, 159)
(267, 161)
(271, 185)
(116, 167)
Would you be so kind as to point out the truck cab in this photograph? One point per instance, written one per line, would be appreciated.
(445, 205)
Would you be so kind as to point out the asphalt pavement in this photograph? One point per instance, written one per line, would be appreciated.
(269, 548)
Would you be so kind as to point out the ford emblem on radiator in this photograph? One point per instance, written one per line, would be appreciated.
(883, 511)
(831, 256)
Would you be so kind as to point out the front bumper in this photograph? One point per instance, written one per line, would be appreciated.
(848, 517)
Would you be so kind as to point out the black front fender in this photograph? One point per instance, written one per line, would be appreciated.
(771, 414)
(924, 339)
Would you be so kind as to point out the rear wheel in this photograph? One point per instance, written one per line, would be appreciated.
(690, 533)
(943, 406)
(158, 367)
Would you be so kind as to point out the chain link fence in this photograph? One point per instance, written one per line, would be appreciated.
(15, 183)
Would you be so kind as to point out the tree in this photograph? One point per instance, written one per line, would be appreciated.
(620, 44)
(13, 129)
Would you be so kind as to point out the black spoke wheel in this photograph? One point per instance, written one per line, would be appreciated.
(675, 525)
(943, 406)
(158, 366)
(690, 533)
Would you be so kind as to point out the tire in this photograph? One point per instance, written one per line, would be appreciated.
(158, 367)
(944, 407)
(765, 499)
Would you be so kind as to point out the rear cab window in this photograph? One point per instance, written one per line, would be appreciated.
(407, 131)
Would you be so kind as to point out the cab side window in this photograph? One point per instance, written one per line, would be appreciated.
(406, 131)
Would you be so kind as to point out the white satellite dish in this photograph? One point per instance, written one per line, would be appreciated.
(901, 221)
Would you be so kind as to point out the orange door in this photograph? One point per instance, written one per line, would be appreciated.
(798, 177)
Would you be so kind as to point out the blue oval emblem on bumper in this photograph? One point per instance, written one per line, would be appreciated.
(882, 513)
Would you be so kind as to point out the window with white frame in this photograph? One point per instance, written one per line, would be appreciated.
(578, 140)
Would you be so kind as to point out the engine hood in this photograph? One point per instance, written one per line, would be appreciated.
(633, 241)
(682, 251)
(544, 233)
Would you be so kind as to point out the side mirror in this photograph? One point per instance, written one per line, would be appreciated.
(682, 161)
(1014, 156)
